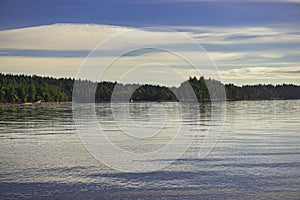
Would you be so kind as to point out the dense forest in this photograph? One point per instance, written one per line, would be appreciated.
(24, 88)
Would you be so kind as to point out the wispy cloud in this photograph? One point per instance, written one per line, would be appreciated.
(58, 36)
(263, 74)
(241, 35)
(256, 72)
(242, 53)
(54, 66)
(87, 36)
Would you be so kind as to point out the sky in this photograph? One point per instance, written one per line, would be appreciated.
(251, 42)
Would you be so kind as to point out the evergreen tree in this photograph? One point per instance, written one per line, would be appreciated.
(22, 88)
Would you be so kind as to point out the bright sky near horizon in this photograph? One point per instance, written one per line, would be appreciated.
(251, 42)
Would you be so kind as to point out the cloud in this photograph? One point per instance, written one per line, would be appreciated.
(58, 36)
(77, 37)
(242, 53)
(262, 73)
(87, 36)
(241, 35)
(58, 67)
(226, 56)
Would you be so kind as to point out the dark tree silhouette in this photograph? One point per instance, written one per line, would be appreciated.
(23, 88)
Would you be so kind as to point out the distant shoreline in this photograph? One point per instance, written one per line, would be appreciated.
(31, 90)
(38, 103)
(70, 102)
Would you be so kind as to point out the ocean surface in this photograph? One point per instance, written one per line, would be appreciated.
(256, 156)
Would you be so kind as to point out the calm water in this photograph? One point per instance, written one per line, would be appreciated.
(257, 155)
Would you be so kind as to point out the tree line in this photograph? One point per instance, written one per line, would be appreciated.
(24, 88)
